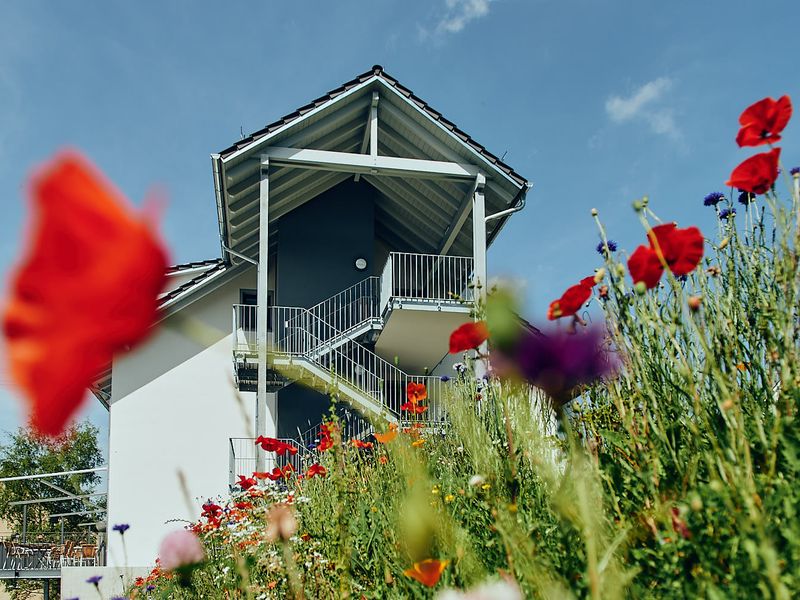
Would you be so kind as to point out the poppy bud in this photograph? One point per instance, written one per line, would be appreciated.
(637, 205)
(620, 270)
(696, 504)
(694, 303)
(723, 243)
(599, 275)
(640, 287)
(594, 212)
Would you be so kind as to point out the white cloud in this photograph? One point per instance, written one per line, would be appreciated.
(460, 13)
(644, 104)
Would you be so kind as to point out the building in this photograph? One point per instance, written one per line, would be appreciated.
(353, 233)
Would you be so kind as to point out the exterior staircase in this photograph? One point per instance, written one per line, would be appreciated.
(326, 346)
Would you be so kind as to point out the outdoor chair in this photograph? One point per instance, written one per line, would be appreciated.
(88, 555)
(53, 557)
(20, 554)
(66, 558)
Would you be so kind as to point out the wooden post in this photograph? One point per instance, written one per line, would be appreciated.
(262, 313)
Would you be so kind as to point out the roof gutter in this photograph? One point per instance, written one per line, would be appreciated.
(216, 162)
(519, 203)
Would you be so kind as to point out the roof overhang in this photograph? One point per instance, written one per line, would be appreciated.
(323, 144)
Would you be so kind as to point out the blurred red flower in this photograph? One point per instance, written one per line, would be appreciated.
(428, 572)
(468, 336)
(246, 482)
(682, 250)
(763, 121)
(571, 300)
(416, 392)
(316, 469)
(87, 288)
(757, 174)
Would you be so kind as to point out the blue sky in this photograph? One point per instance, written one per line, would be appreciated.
(597, 102)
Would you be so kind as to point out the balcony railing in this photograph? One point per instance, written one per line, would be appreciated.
(49, 551)
(427, 277)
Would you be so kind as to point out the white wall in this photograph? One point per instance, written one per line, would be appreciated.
(174, 406)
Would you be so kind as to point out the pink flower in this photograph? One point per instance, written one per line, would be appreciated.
(180, 548)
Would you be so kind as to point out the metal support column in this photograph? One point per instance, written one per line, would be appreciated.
(479, 256)
(262, 309)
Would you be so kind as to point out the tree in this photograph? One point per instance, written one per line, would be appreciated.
(27, 453)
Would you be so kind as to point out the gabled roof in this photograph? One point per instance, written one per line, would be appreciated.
(413, 213)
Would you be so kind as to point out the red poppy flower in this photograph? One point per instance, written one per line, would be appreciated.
(763, 121)
(210, 509)
(246, 482)
(571, 300)
(416, 392)
(417, 409)
(428, 572)
(87, 288)
(682, 250)
(316, 469)
(468, 336)
(361, 444)
(757, 174)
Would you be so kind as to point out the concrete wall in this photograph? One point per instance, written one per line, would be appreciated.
(113, 583)
(318, 245)
(174, 406)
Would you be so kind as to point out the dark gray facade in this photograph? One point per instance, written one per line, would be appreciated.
(318, 245)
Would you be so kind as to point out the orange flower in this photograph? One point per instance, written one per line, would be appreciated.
(416, 392)
(383, 459)
(428, 571)
(87, 288)
(385, 438)
(418, 443)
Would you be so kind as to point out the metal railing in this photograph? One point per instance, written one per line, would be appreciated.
(351, 307)
(428, 277)
(50, 550)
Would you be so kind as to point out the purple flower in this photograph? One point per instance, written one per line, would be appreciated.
(560, 362)
(727, 213)
(604, 248)
(795, 171)
(121, 527)
(94, 579)
(713, 199)
(445, 378)
(746, 198)
(150, 588)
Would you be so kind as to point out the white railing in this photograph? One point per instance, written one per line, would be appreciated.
(351, 307)
(429, 277)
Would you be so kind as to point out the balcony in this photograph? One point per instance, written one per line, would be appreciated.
(41, 555)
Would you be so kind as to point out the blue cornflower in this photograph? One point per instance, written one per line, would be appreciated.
(445, 378)
(795, 171)
(121, 527)
(94, 579)
(727, 213)
(608, 246)
(150, 588)
(746, 198)
(713, 199)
